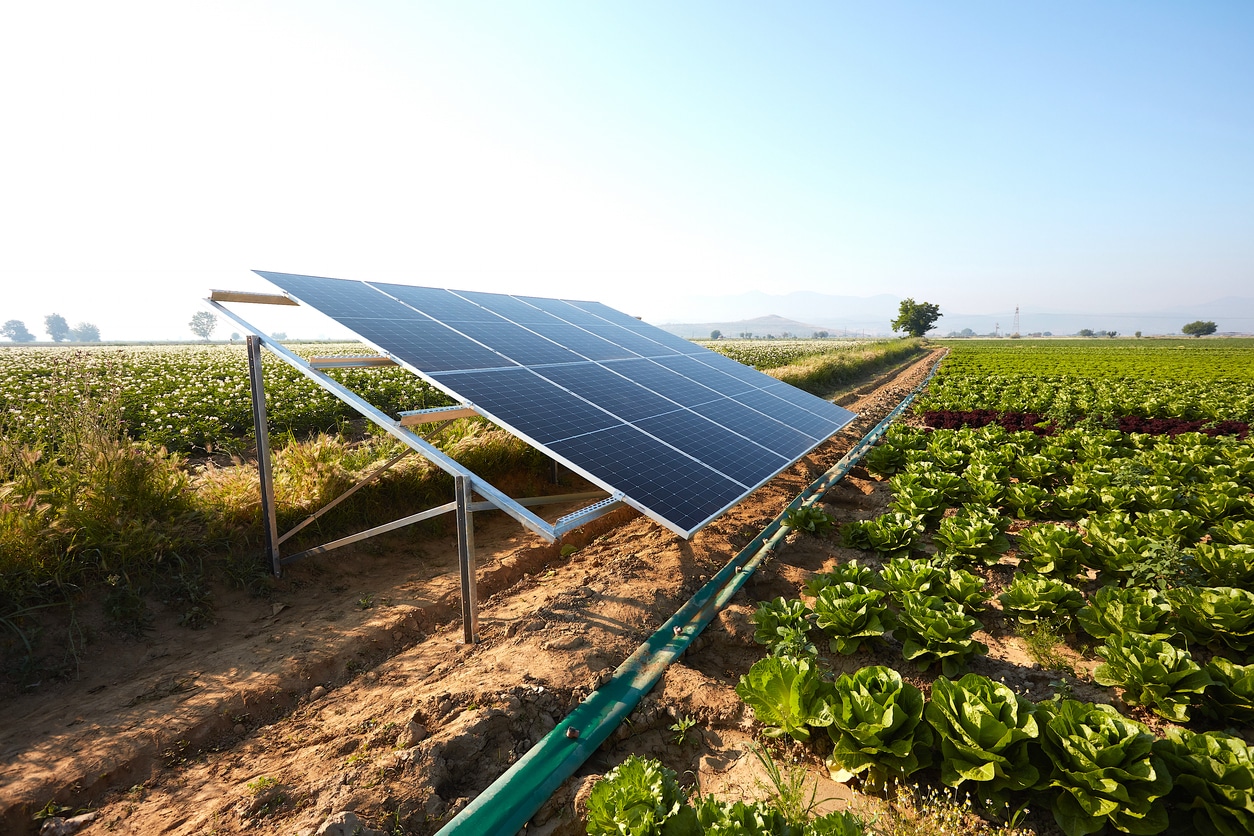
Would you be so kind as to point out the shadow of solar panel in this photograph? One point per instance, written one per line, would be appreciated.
(682, 433)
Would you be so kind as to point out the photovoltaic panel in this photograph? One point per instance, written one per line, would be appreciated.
(681, 432)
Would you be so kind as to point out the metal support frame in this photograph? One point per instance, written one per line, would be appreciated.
(269, 520)
(466, 561)
(466, 482)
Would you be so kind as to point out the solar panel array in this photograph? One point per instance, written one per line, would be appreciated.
(682, 432)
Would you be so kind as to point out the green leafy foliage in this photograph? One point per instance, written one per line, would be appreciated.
(1232, 532)
(1053, 549)
(849, 572)
(1152, 673)
(884, 459)
(965, 589)
(1119, 611)
(640, 797)
(973, 534)
(1027, 501)
(1215, 616)
(851, 614)
(906, 575)
(810, 519)
(891, 535)
(1224, 564)
(781, 624)
(1214, 782)
(934, 630)
(877, 727)
(921, 501)
(1103, 769)
(984, 731)
(1231, 698)
(787, 695)
(1033, 599)
(1168, 525)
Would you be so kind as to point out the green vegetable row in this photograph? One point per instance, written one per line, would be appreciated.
(1089, 764)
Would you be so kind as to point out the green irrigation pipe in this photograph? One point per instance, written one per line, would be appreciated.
(506, 806)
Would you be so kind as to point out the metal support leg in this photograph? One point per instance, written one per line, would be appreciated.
(466, 561)
(269, 521)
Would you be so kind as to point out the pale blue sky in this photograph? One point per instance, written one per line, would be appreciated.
(1057, 156)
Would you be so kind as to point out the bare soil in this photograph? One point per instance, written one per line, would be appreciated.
(350, 689)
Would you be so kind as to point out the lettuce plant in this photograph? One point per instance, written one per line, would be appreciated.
(919, 501)
(1224, 564)
(1152, 673)
(1074, 501)
(1028, 501)
(962, 587)
(1036, 599)
(894, 534)
(890, 534)
(1053, 549)
(884, 459)
(1214, 781)
(780, 623)
(1231, 698)
(933, 630)
(1117, 545)
(848, 572)
(1118, 611)
(1103, 769)
(850, 615)
(877, 727)
(1217, 500)
(740, 818)
(1231, 532)
(787, 695)
(972, 534)
(642, 798)
(1215, 615)
(904, 575)
(984, 730)
(1169, 525)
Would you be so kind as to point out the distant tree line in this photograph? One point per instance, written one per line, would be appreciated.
(56, 327)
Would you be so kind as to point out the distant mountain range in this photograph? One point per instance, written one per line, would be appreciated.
(805, 313)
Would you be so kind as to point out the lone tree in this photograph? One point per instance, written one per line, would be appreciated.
(202, 324)
(716, 334)
(916, 318)
(57, 327)
(85, 332)
(15, 330)
(1199, 328)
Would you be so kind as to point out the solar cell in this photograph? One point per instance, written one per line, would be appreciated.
(681, 432)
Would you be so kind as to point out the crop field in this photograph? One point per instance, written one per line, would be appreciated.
(1094, 501)
(190, 397)
(771, 354)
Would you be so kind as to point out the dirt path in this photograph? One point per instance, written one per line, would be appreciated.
(350, 689)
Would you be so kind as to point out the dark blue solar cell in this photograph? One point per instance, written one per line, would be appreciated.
(793, 416)
(730, 454)
(516, 342)
(425, 344)
(706, 375)
(608, 390)
(337, 298)
(582, 342)
(641, 345)
(768, 432)
(743, 373)
(657, 478)
(665, 382)
(566, 311)
(531, 405)
(443, 305)
(508, 307)
(810, 403)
